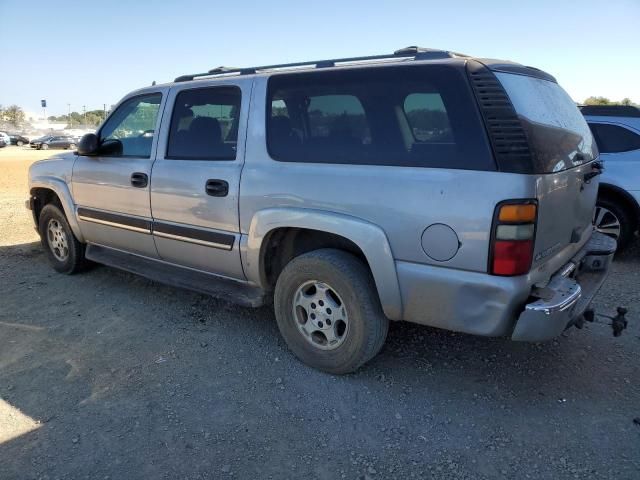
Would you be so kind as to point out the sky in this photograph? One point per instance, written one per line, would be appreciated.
(89, 54)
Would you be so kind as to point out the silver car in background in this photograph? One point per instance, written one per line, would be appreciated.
(616, 129)
(423, 186)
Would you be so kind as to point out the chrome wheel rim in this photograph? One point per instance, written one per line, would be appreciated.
(320, 315)
(57, 240)
(606, 222)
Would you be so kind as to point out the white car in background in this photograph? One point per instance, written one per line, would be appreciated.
(4, 138)
(616, 129)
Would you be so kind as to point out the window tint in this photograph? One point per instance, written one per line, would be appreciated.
(406, 116)
(427, 117)
(613, 138)
(204, 124)
(129, 131)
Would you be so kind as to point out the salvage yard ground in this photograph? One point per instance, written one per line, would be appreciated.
(108, 375)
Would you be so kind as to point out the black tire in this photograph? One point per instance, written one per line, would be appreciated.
(72, 146)
(19, 143)
(44, 146)
(352, 281)
(74, 260)
(628, 223)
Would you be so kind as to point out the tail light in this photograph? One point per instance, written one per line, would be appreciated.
(512, 239)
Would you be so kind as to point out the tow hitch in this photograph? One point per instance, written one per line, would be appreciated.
(617, 323)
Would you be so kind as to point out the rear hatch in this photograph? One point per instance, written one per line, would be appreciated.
(562, 151)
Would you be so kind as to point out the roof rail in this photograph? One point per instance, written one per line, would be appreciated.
(610, 110)
(416, 53)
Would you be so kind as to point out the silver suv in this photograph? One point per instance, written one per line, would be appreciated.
(423, 186)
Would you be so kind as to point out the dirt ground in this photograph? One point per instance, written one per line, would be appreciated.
(105, 375)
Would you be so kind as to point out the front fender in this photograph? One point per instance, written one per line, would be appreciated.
(61, 189)
(369, 237)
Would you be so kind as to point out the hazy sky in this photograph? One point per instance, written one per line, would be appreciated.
(92, 53)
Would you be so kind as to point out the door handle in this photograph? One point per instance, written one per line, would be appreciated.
(217, 188)
(139, 179)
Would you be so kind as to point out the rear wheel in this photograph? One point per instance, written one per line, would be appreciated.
(614, 219)
(328, 311)
(19, 143)
(64, 251)
(72, 146)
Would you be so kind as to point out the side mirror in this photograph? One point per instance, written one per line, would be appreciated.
(88, 145)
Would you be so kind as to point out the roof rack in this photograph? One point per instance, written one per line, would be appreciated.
(416, 53)
(610, 110)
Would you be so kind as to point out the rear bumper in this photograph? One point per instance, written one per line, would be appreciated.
(568, 293)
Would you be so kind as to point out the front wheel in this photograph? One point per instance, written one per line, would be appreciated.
(19, 143)
(328, 311)
(64, 251)
(44, 146)
(72, 146)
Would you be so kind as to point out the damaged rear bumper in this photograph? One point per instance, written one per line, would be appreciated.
(568, 293)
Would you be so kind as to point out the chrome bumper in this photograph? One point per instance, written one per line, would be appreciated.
(568, 293)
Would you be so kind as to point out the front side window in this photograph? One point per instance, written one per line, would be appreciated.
(204, 124)
(614, 138)
(417, 116)
(130, 130)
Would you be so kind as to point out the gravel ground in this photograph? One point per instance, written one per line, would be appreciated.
(108, 376)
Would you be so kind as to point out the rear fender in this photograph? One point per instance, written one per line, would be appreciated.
(370, 238)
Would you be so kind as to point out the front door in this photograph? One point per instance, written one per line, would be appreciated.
(111, 189)
(196, 178)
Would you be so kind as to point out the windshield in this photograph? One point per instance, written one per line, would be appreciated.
(557, 132)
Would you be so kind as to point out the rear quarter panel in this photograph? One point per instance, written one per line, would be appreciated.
(403, 201)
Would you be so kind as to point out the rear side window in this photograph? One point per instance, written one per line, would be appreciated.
(558, 134)
(418, 116)
(614, 139)
(204, 124)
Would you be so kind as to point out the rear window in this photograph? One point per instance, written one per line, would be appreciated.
(422, 116)
(557, 132)
(614, 139)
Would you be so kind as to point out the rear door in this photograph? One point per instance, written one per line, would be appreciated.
(196, 178)
(563, 150)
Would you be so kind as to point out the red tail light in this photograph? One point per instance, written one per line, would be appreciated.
(513, 238)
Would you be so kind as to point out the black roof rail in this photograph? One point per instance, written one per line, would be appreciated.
(610, 110)
(416, 53)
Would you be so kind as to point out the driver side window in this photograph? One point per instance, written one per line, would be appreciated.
(130, 130)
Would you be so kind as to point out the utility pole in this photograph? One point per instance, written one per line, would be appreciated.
(84, 112)
(70, 121)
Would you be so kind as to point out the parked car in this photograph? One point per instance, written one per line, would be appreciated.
(616, 129)
(5, 139)
(36, 142)
(64, 142)
(17, 139)
(3, 143)
(351, 191)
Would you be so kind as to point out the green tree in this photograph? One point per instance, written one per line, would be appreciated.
(598, 101)
(14, 115)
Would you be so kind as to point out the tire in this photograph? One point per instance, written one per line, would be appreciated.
(64, 251)
(72, 146)
(44, 146)
(359, 326)
(621, 214)
(20, 143)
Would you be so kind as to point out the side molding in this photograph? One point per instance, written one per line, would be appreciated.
(370, 238)
(61, 189)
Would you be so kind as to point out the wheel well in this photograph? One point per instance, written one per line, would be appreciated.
(618, 195)
(42, 197)
(284, 244)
